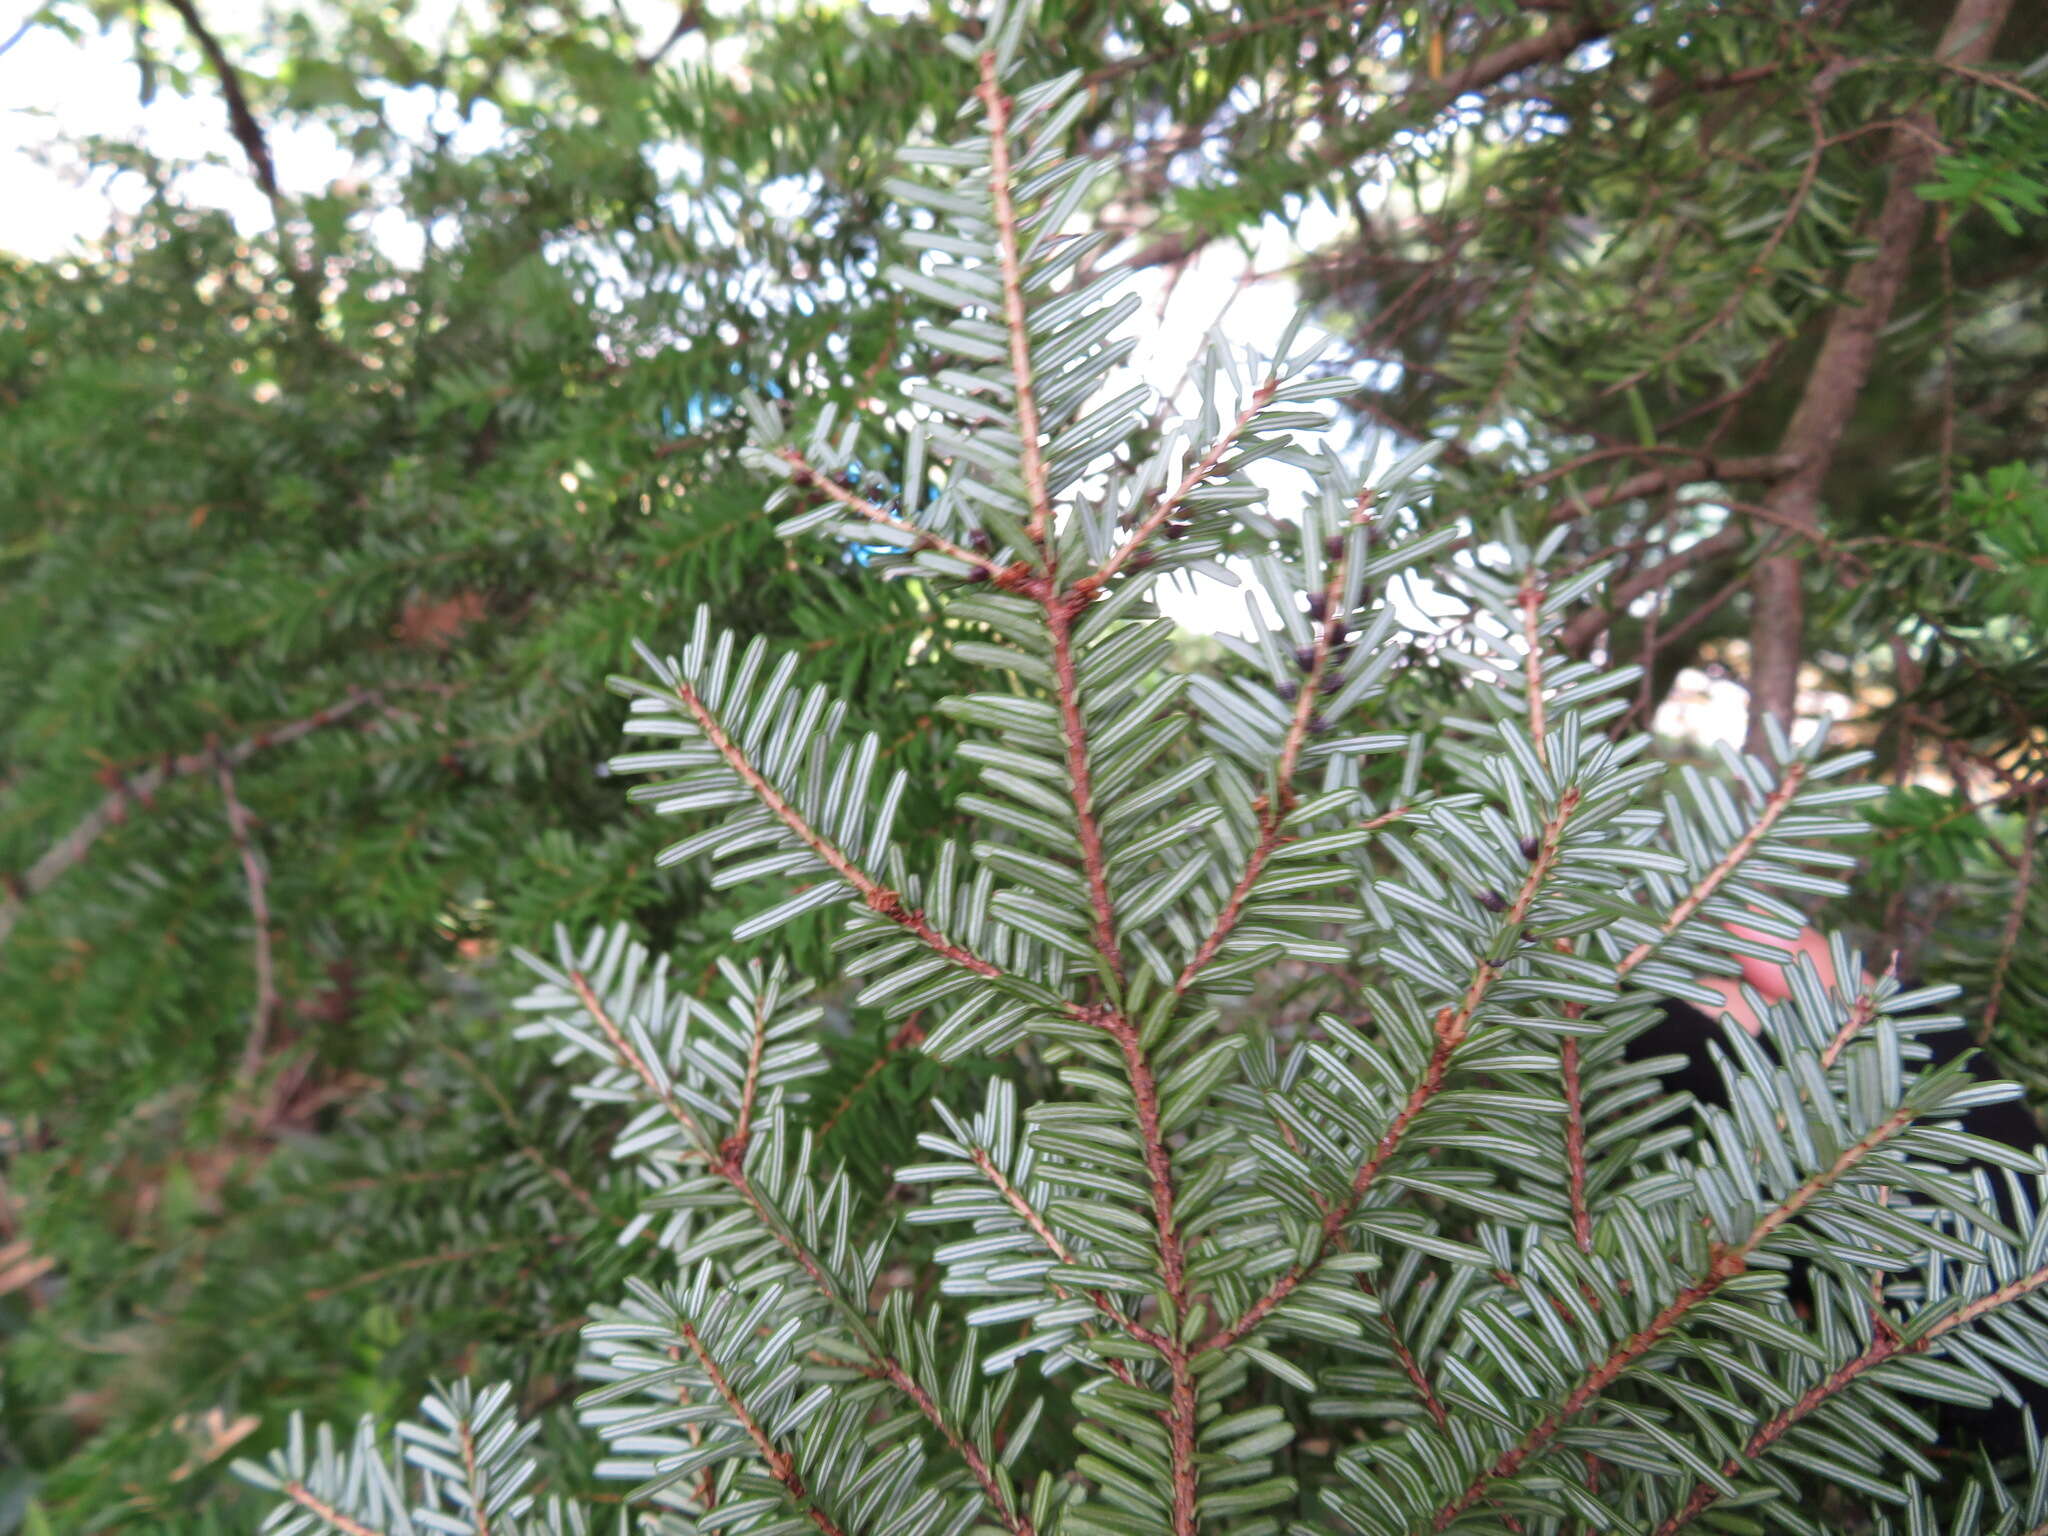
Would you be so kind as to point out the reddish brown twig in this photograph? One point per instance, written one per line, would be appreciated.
(1059, 622)
(1104, 1303)
(1273, 814)
(780, 1464)
(302, 1496)
(734, 1149)
(1164, 508)
(478, 1518)
(809, 477)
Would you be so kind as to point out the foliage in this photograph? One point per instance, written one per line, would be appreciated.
(283, 480)
(1449, 1264)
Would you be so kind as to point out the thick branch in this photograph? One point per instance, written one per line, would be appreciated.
(1835, 385)
(71, 849)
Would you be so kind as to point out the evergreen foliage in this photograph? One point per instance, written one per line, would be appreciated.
(323, 523)
(1442, 1261)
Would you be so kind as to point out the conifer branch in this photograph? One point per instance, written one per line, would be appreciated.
(1059, 622)
(734, 1148)
(1450, 1028)
(728, 1164)
(810, 477)
(1010, 260)
(879, 898)
(1104, 1303)
(1774, 806)
(1164, 508)
(1274, 812)
(780, 1464)
(1886, 1343)
(467, 1440)
(265, 1011)
(1181, 1417)
(1728, 1263)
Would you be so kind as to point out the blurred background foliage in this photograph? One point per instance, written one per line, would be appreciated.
(323, 526)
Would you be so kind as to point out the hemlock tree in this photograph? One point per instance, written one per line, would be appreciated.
(1443, 1260)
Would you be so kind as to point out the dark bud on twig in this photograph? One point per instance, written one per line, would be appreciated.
(1331, 682)
(1318, 605)
(980, 542)
(1333, 546)
(1175, 530)
(1140, 560)
(1338, 631)
(1530, 848)
(1290, 691)
(1493, 901)
(1304, 656)
(1317, 725)
(979, 573)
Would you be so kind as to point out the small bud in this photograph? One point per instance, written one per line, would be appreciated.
(1289, 691)
(1317, 725)
(1331, 682)
(1140, 560)
(1493, 901)
(1318, 605)
(1175, 530)
(980, 542)
(979, 573)
(1338, 631)
(1304, 656)
(1530, 848)
(1333, 546)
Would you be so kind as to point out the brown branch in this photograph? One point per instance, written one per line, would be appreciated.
(1011, 261)
(304, 1497)
(1586, 627)
(1450, 1027)
(265, 1013)
(632, 1060)
(1728, 1263)
(70, 849)
(781, 1466)
(1059, 622)
(1713, 879)
(248, 133)
(1835, 384)
(879, 899)
(1702, 466)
